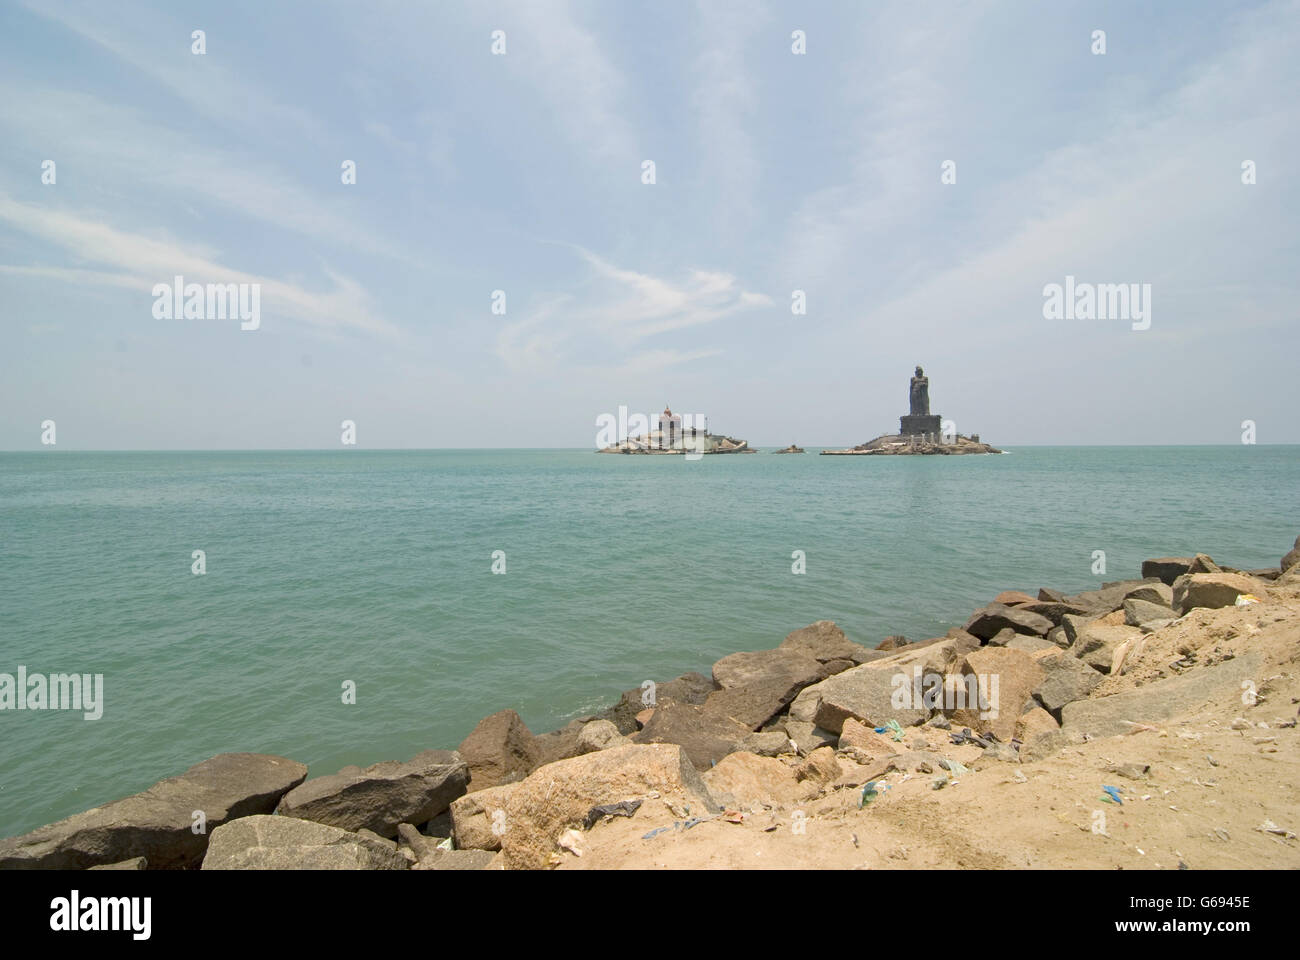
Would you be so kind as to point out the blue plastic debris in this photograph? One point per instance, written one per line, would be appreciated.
(1114, 793)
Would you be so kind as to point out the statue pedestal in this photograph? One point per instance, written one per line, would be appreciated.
(911, 425)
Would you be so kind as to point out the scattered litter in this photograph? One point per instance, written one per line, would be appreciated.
(1241, 723)
(659, 830)
(1020, 777)
(892, 727)
(1114, 794)
(571, 840)
(687, 824)
(1268, 826)
(1211, 761)
(868, 794)
(1245, 600)
(624, 808)
(445, 845)
(939, 783)
(1133, 771)
(733, 816)
(955, 767)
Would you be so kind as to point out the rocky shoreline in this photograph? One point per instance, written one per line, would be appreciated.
(788, 756)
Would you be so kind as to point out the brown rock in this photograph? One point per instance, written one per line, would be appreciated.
(1212, 590)
(744, 781)
(825, 641)
(819, 768)
(501, 749)
(1167, 569)
(1010, 597)
(1004, 679)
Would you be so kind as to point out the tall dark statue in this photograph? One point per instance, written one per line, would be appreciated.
(920, 422)
(920, 394)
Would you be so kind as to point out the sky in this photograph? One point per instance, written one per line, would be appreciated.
(524, 172)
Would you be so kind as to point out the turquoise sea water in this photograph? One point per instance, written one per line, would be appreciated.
(375, 567)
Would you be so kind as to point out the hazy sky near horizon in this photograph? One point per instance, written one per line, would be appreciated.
(522, 172)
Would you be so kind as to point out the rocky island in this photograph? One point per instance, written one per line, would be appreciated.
(1145, 724)
(672, 439)
(920, 432)
(790, 449)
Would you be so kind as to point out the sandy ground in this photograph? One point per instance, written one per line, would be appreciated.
(1209, 789)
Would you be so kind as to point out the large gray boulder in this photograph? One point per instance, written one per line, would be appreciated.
(705, 736)
(286, 843)
(381, 796)
(989, 621)
(754, 687)
(158, 823)
(1138, 613)
(1067, 679)
(1107, 599)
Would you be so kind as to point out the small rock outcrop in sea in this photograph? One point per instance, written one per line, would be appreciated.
(920, 432)
(816, 727)
(790, 449)
(672, 438)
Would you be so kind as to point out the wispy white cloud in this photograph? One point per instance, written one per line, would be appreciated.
(146, 260)
(568, 64)
(620, 310)
(159, 47)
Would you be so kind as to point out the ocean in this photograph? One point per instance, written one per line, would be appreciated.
(376, 568)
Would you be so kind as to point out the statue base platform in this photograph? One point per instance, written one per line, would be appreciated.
(918, 425)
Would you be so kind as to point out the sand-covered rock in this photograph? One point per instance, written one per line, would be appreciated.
(745, 780)
(478, 819)
(559, 796)
(1096, 644)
